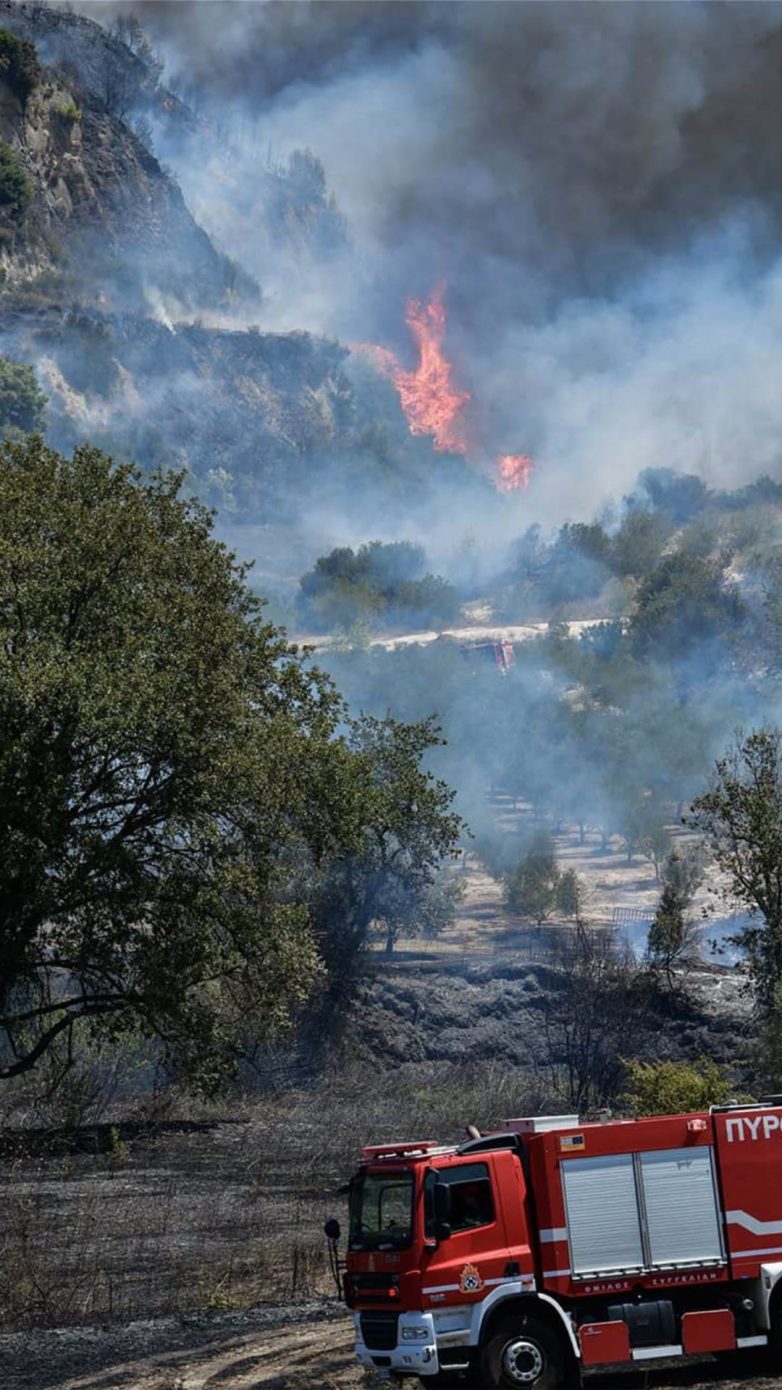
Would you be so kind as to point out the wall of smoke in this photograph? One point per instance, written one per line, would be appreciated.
(597, 184)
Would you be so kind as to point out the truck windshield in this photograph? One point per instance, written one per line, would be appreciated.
(381, 1211)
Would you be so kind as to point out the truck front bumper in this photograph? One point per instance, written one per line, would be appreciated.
(415, 1353)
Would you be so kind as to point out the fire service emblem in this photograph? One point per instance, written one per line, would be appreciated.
(471, 1281)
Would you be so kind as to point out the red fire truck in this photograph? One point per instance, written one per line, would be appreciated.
(526, 1257)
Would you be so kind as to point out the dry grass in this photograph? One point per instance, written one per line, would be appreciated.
(218, 1214)
(224, 1209)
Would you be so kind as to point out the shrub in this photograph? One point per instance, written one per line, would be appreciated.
(15, 191)
(69, 111)
(18, 64)
(671, 1088)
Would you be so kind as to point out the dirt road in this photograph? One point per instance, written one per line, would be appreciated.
(306, 1347)
(513, 632)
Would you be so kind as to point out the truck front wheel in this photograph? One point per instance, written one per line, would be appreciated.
(523, 1354)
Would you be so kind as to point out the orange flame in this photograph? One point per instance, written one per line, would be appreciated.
(513, 472)
(429, 397)
(432, 403)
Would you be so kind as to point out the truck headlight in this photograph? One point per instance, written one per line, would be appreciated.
(415, 1334)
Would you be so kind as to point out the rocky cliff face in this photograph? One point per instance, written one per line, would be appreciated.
(103, 270)
(245, 413)
(100, 221)
(128, 309)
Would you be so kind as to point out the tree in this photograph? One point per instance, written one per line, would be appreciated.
(394, 878)
(672, 933)
(19, 65)
(120, 85)
(536, 887)
(128, 30)
(172, 779)
(21, 400)
(740, 816)
(654, 842)
(675, 1088)
(376, 581)
(681, 496)
(768, 1059)
(418, 911)
(773, 612)
(569, 894)
(584, 1033)
(528, 554)
(15, 188)
(640, 823)
(577, 563)
(684, 602)
(666, 934)
(638, 543)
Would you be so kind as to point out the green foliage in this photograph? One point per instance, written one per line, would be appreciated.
(637, 545)
(19, 64)
(375, 583)
(675, 1088)
(740, 817)
(577, 563)
(69, 111)
(773, 611)
(21, 400)
(119, 1149)
(680, 496)
(536, 887)
(672, 933)
(496, 851)
(569, 894)
(768, 1049)
(394, 879)
(174, 795)
(684, 602)
(15, 190)
(666, 934)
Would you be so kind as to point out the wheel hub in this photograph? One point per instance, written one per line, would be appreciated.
(522, 1361)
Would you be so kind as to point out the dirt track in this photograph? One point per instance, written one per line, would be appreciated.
(296, 1348)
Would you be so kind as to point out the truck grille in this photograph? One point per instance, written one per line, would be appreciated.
(379, 1330)
(374, 1286)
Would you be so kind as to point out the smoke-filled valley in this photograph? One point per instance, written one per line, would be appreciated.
(384, 769)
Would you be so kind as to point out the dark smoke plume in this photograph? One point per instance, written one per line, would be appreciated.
(598, 184)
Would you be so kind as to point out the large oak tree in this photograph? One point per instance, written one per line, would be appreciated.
(173, 780)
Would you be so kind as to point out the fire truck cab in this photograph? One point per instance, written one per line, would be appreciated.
(530, 1256)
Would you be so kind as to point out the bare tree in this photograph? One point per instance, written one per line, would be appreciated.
(587, 1030)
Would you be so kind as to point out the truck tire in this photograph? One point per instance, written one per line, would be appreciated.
(523, 1354)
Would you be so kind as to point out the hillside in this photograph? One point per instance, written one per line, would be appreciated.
(467, 848)
(98, 221)
(137, 323)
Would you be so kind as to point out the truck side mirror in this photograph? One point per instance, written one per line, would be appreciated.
(442, 1211)
(332, 1229)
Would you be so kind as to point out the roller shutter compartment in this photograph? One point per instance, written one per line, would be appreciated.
(602, 1214)
(680, 1203)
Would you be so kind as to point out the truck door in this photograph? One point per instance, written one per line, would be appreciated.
(749, 1146)
(475, 1255)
